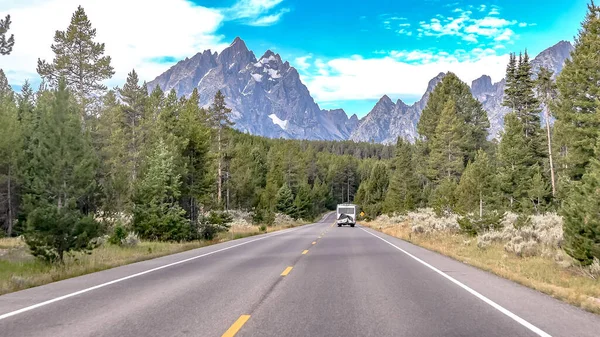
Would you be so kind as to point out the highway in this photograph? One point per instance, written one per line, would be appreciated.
(314, 280)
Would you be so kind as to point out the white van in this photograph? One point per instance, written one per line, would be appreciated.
(346, 214)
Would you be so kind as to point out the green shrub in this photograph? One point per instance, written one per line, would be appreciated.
(522, 221)
(472, 224)
(53, 232)
(118, 236)
(214, 223)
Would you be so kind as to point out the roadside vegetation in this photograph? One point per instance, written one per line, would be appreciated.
(19, 269)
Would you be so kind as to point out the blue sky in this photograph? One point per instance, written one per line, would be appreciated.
(349, 53)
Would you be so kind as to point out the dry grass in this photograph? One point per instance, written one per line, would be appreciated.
(549, 270)
(19, 270)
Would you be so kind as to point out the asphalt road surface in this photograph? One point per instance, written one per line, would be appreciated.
(315, 280)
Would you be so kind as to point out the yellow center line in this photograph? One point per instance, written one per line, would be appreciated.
(314, 242)
(286, 271)
(236, 326)
(305, 252)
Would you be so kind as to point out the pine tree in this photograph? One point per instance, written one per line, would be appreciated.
(546, 89)
(321, 196)
(25, 102)
(538, 192)
(511, 86)
(135, 114)
(472, 117)
(302, 203)
(580, 213)
(443, 199)
(514, 161)
(116, 163)
(475, 189)
(167, 119)
(447, 154)
(219, 120)
(6, 45)
(285, 201)
(59, 180)
(520, 97)
(195, 152)
(402, 193)
(156, 213)
(378, 183)
(577, 125)
(528, 106)
(10, 149)
(79, 60)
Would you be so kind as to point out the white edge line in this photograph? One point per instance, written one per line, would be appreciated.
(41, 304)
(495, 305)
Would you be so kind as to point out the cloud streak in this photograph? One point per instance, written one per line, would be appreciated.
(398, 73)
(256, 12)
(470, 29)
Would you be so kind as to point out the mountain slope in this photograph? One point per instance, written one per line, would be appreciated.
(387, 120)
(266, 96)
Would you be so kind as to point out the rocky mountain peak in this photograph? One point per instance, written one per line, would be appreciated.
(482, 85)
(553, 58)
(266, 96)
(385, 101)
(434, 81)
(271, 57)
(400, 103)
(237, 52)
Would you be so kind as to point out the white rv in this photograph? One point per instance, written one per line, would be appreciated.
(346, 214)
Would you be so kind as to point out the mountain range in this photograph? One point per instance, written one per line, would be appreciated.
(268, 98)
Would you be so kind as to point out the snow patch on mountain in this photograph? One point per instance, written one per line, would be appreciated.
(273, 73)
(268, 59)
(277, 121)
(257, 77)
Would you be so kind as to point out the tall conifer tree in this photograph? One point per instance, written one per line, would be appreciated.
(577, 123)
(79, 60)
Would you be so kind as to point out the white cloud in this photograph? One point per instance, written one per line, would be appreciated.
(505, 36)
(525, 24)
(470, 38)
(322, 68)
(494, 11)
(389, 21)
(406, 73)
(301, 62)
(175, 29)
(252, 10)
(269, 19)
(468, 28)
